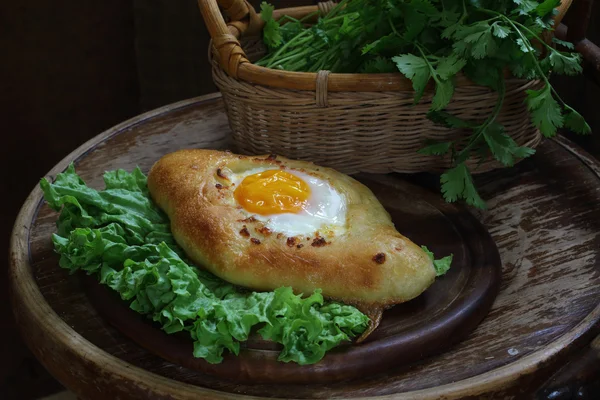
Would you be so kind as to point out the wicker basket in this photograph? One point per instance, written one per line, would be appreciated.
(351, 122)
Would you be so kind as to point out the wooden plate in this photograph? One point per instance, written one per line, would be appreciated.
(544, 216)
(448, 311)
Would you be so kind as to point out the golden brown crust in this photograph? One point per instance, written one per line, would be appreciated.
(370, 263)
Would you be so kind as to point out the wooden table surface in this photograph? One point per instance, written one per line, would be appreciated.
(544, 217)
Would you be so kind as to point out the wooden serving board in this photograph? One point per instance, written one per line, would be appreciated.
(442, 316)
(544, 216)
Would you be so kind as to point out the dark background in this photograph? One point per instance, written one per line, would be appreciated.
(72, 69)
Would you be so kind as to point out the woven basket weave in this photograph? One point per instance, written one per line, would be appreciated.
(351, 122)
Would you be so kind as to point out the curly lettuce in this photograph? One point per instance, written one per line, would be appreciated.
(119, 235)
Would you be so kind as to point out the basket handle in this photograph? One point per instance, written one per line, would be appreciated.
(224, 36)
(562, 9)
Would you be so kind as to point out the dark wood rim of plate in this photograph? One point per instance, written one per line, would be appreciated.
(472, 293)
(33, 312)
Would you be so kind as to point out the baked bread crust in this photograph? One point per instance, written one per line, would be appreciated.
(369, 265)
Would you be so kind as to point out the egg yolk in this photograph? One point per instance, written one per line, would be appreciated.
(272, 192)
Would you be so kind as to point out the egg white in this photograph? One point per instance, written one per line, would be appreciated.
(324, 212)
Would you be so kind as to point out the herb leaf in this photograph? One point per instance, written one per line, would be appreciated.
(525, 7)
(457, 183)
(451, 121)
(443, 94)
(547, 7)
(450, 66)
(271, 33)
(564, 63)
(525, 46)
(576, 122)
(416, 69)
(503, 147)
(567, 45)
(482, 42)
(500, 31)
(436, 149)
(379, 65)
(545, 111)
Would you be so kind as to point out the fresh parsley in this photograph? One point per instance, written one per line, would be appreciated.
(431, 42)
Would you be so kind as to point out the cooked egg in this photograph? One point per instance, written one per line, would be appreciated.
(289, 201)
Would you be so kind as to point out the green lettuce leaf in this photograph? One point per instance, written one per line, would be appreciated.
(442, 265)
(123, 238)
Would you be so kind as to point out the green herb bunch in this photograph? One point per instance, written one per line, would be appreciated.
(435, 40)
